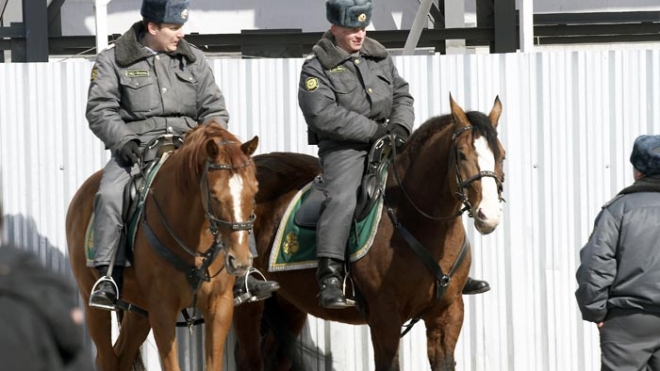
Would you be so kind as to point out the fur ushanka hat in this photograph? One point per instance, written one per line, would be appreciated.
(165, 11)
(349, 13)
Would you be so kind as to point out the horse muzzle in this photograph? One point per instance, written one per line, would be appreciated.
(237, 267)
(487, 219)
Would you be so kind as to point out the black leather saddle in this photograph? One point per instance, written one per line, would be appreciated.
(371, 188)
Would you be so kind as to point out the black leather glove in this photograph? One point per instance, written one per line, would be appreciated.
(398, 130)
(129, 153)
(380, 132)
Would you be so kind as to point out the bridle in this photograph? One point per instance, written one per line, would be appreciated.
(461, 184)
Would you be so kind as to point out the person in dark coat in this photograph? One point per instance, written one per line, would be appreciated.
(619, 273)
(150, 82)
(41, 328)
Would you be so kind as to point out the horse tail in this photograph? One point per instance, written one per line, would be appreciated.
(302, 355)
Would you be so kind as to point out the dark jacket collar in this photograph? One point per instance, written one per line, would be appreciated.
(331, 56)
(128, 49)
(645, 184)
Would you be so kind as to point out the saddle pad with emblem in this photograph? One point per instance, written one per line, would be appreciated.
(295, 246)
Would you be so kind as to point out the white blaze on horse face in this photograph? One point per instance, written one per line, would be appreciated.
(489, 211)
(236, 190)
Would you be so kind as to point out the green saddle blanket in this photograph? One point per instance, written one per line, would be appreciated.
(134, 219)
(295, 246)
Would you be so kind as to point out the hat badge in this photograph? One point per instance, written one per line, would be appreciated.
(362, 17)
(184, 13)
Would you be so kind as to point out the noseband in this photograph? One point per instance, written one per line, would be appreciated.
(463, 184)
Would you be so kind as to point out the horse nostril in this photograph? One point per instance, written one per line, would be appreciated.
(231, 262)
(480, 214)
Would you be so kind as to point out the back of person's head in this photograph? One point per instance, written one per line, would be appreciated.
(349, 13)
(645, 156)
(165, 11)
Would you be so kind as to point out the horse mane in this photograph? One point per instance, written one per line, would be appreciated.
(189, 160)
(480, 123)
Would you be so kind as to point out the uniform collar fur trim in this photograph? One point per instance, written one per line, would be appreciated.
(331, 56)
(128, 49)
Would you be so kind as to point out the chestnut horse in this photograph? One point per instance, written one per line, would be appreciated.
(201, 200)
(452, 163)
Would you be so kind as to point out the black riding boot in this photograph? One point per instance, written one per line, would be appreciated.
(330, 277)
(256, 289)
(105, 295)
(473, 287)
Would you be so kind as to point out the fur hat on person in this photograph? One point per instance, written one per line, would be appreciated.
(645, 155)
(349, 13)
(165, 11)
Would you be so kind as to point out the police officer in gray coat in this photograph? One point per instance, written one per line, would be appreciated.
(619, 275)
(149, 83)
(350, 94)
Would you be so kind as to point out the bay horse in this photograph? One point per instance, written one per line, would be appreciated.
(452, 163)
(200, 205)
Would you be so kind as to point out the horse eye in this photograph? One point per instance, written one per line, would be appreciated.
(461, 156)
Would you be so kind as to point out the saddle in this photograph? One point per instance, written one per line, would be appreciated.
(371, 187)
(135, 191)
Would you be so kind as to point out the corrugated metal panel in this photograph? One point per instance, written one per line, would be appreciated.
(568, 125)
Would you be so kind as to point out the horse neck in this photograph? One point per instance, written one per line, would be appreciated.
(427, 179)
(180, 201)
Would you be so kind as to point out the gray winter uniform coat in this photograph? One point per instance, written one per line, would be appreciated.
(620, 264)
(344, 98)
(134, 93)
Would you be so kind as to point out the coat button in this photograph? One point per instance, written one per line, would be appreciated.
(170, 130)
(357, 61)
(164, 90)
(370, 90)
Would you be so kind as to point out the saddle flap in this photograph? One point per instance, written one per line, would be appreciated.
(310, 210)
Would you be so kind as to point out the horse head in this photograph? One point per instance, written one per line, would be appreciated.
(228, 186)
(479, 157)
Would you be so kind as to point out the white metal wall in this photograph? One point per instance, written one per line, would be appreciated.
(568, 125)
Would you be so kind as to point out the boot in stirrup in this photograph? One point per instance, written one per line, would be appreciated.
(329, 275)
(105, 291)
(473, 286)
(248, 288)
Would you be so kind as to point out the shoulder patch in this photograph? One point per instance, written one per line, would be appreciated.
(311, 83)
(95, 74)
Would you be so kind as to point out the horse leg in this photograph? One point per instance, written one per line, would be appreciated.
(99, 325)
(247, 326)
(163, 323)
(442, 331)
(285, 322)
(217, 311)
(385, 337)
(134, 330)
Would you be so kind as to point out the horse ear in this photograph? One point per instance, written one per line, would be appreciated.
(249, 147)
(211, 149)
(495, 113)
(460, 119)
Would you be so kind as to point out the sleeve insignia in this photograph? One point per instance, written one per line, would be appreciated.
(95, 74)
(312, 83)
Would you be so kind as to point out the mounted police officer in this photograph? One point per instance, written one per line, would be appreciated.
(151, 82)
(351, 95)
